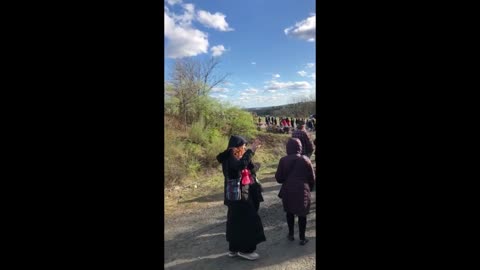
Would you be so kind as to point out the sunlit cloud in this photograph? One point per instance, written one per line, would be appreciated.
(216, 21)
(274, 85)
(217, 50)
(302, 73)
(183, 40)
(220, 89)
(304, 29)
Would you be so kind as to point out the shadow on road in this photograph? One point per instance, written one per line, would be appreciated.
(206, 247)
(208, 198)
(284, 251)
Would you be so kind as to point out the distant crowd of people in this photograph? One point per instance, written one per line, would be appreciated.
(284, 124)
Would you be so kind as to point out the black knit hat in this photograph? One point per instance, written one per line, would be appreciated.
(236, 141)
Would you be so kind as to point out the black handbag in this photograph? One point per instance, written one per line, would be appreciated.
(234, 190)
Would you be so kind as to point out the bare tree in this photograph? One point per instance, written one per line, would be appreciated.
(192, 79)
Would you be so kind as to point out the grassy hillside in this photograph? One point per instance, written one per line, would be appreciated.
(209, 180)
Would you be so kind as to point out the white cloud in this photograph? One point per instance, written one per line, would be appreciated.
(220, 89)
(274, 85)
(184, 20)
(215, 21)
(217, 50)
(183, 40)
(250, 91)
(310, 65)
(173, 2)
(312, 76)
(302, 73)
(276, 75)
(304, 29)
(272, 91)
(244, 83)
(253, 63)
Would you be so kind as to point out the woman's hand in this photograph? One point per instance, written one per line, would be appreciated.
(255, 145)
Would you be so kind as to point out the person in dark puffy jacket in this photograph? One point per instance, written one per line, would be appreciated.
(244, 226)
(295, 173)
(302, 134)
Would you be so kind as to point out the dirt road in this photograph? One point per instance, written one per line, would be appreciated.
(195, 237)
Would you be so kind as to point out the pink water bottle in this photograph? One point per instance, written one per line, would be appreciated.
(246, 177)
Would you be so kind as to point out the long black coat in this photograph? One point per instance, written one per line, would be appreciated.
(244, 226)
(295, 173)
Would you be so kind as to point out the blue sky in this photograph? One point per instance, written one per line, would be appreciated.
(268, 46)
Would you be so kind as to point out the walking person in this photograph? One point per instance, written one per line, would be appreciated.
(295, 173)
(301, 134)
(244, 227)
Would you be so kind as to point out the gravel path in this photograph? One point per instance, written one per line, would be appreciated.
(195, 238)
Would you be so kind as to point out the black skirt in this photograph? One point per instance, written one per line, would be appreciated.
(244, 226)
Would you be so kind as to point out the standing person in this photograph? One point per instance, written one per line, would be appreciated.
(244, 226)
(310, 124)
(288, 121)
(301, 134)
(275, 121)
(295, 173)
(284, 123)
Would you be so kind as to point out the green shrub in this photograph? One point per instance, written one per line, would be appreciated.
(173, 158)
(193, 166)
(217, 145)
(171, 106)
(241, 123)
(213, 135)
(197, 132)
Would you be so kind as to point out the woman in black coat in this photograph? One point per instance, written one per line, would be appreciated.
(244, 226)
(295, 173)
